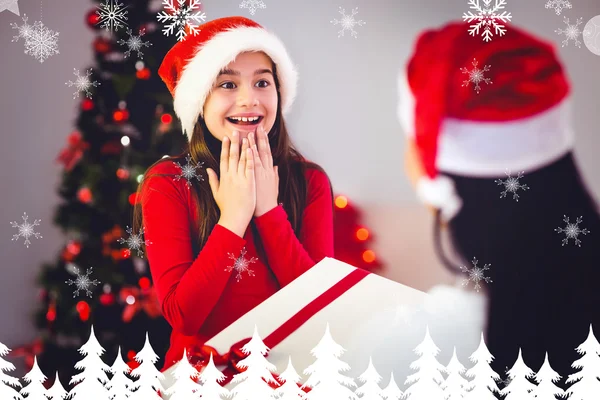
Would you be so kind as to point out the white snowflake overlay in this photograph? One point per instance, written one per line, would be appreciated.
(134, 43)
(558, 5)
(112, 15)
(253, 5)
(571, 32)
(348, 22)
(40, 42)
(188, 171)
(487, 16)
(476, 274)
(26, 230)
(572, 231)
(24, 31)
(476, 76)
(241, 264)
(135, 242)
(512, 184)
(181, 16)
(83, 282)
(82, 83)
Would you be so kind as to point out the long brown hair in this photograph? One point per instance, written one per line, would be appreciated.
(204, 147)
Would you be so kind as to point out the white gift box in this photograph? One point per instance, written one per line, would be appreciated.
(355, 321)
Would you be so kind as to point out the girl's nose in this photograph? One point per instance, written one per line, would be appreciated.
(246, 96)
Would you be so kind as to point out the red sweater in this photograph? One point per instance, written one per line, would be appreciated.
(200, 296)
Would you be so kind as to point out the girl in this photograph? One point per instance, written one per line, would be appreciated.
(265, 216)
(543, 287)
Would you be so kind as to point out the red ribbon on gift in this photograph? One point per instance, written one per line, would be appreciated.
(74, 151)
(144, 299)
(29, 351)
(201, 355)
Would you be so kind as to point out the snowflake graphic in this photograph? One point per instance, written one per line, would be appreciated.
(476, 76)
(512, 184)
(241, 264)
(572, 231)
(134, 43)
(476, 274)
(487, 16)
(181, 16)
(83, 282)
(82, 83)
(348, 22)
(112, 15)
(134, 242)
(253, 5)
(571, 32)
(24, 31)
(558, 5)
(188, 171)
(26, 230)
(41, 42)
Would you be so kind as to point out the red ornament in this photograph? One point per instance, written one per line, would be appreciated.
(71, 155)
(166, 118)
(29, 351)
(51, 313)
(133, 199)
(92, 19)
(121, 115)
(84, 195)
(123, 173)
(83, 309)
(87, 105)
(143, 73)
(101, 45)
(144, 283)
(107, 299)
(136, 299)
(362, 234)
(368, 256)
(341, 201)
(71, 251)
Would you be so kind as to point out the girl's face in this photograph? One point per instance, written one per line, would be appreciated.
(243, 97)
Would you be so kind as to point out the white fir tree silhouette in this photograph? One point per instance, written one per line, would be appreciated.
(35, 378)
(253, 382)
(6, 391)
(586, 380)
(146, 387)
(371, 378)
(90, 382)
(185, 386)
(455, 385)
(119, 385)
(546, 377)
(326, 381)
(392, 391)
(483, 386)
(210, 378)
(519, 387)
(426, 381)
(289, 389)
(57, 391)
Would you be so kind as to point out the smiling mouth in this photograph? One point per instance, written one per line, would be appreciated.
(245, 121)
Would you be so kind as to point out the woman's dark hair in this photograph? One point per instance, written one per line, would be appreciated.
(543, 295)
(204, 147)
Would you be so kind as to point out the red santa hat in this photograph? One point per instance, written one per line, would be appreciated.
(520, 120)
(190, 68)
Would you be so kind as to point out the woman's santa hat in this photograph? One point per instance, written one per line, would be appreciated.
(519, 121)
(190, 68)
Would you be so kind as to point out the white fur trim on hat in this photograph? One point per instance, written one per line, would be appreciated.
(201, 71)
(441, 194)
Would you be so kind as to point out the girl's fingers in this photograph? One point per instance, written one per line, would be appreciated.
(224, 155)
(268, 157)
(249, 165)
(234, 151)
(257, 160)
(242, 164)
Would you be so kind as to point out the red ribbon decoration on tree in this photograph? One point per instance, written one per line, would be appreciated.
(71, 155)
(145, 299)
(29, 351)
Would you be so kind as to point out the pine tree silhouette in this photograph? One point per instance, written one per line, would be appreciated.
(92, 380)
(35, 378)
(545, 378)
(289, 390)
(392, 391)
(455, 385)
(185, 386)
(253, 382)
(586, 381)
(483, 386)
(371, 378)
(210, 378)
(146, 387)
(326, 381)
(57, 391)
(519, 387)
(6, 391)
(426, 381)
(119, 385)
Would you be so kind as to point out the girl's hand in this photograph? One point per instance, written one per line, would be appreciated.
(266, 175)
(235, 193)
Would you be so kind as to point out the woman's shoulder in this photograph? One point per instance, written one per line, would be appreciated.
(162, 176)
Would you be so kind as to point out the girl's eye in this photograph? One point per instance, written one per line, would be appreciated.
(226, 83)
(263, 81)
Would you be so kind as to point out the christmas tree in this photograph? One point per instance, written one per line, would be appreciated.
(125, 123)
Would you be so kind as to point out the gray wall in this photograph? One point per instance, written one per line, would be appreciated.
(344, 119)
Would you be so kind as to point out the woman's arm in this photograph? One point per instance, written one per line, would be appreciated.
(187, 288)
(289, 257)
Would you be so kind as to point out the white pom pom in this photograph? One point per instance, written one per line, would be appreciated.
(440, 193)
